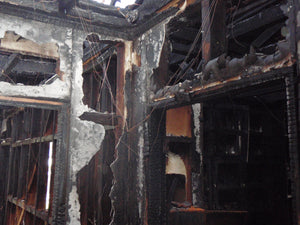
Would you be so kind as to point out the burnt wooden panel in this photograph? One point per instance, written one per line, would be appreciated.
(94, 182)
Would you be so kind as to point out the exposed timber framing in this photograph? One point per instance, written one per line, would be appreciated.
(60, 134)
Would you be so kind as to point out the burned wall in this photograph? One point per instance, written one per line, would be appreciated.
(84, 137)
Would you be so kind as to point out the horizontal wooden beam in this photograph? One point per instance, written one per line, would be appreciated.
(29, 141)
(13, 42)
(11, 62)
(185, 33)
(43, 215)
(26, 67)
(266, 35)
(98, 59)
(29, 102)
(109, 119)
(219, 88)
(261, 19)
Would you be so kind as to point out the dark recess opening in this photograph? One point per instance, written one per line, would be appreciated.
(246, 154)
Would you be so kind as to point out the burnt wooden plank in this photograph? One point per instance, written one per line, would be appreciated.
(185, 33)
(228, 87)
(214, 29)
(100, 59)
(22, 172)
(4, 158)
(252, 9)
(269, 15)
(98, 18)
(30, 209)
(93, 48)
(149, 7)
(101, 118)
(60, 186)
(176, 58)
(100, 8)
(10, 63)
(293, 137)
(266, 35)
(180, 48)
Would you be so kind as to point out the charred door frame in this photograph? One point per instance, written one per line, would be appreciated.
(59, 205)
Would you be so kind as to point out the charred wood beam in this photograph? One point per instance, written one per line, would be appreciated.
(259, 20)
(34, 66)
(30, 141)
(180, 48)
(21, 67)
(266, 35)
(148, 7)
(10, 64)
(28, 208)
(252, 9)
(176, 58)
(103, 9)
(93, 63)
(93, 49)
(293, 135)
(102, 118)
(145, 10)
(30, 102)
(98, 18)
(219, 89)
(186, 34)
(214, 29)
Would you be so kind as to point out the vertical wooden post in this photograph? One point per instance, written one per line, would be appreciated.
(156, 173)
(293, 107)
(214, 28)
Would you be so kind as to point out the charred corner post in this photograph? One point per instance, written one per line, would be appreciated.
(163, 112)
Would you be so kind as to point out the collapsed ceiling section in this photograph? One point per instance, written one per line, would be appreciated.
(241, 39)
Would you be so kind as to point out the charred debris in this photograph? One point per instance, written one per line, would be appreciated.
(163, 112)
